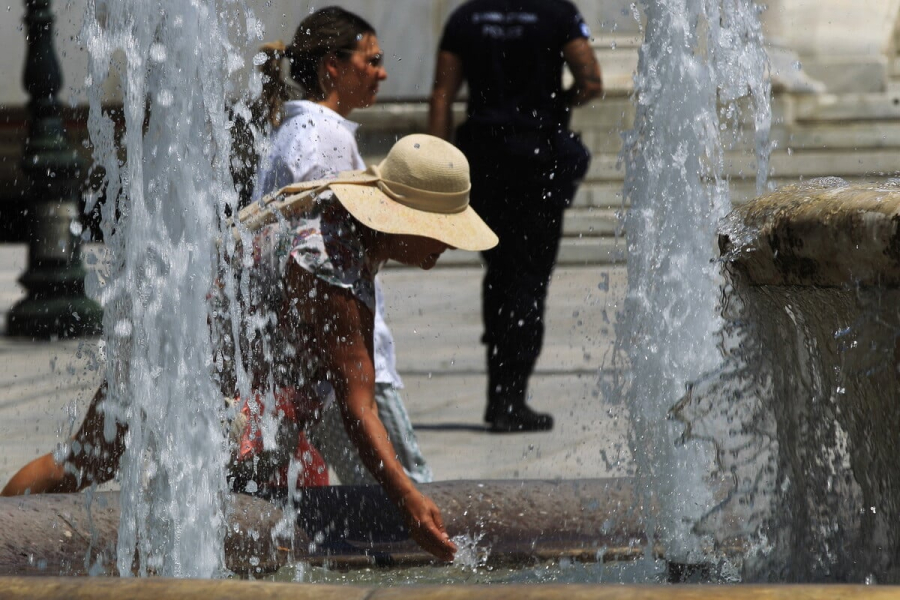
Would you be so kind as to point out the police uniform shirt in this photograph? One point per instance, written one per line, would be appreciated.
(511, 52)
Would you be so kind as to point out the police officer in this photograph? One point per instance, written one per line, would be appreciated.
(525, 163)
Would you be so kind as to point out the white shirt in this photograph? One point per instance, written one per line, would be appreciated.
(314, 142)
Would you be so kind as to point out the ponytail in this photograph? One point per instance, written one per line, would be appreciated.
(274, 88)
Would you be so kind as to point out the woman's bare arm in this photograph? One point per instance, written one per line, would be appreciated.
(345, 340)
(91, 459)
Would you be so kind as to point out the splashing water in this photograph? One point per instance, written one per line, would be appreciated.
(164, 211)
(469, 554)
(801, 413)
(699, 59)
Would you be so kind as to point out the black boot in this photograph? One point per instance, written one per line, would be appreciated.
(510, 414)
(507, 383)
(518, 417)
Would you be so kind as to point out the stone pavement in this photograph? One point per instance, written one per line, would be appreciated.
(44, 386)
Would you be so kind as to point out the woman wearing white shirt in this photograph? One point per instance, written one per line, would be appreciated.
(335, 57)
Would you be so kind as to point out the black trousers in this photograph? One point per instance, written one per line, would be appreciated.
(521, 185)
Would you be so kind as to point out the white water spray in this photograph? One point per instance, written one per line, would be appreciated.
(165, 207)
(698, 60)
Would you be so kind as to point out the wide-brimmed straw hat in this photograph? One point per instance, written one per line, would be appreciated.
(420, 188)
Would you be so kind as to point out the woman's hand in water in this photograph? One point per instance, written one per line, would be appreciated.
(426, 526)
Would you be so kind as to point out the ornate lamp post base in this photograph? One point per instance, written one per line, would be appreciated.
(56, 305)
(55, 317)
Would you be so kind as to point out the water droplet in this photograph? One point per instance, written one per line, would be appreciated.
(158, 53)
(123, 328)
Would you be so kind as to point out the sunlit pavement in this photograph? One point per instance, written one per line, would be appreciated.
(436, 321)
(435, 318)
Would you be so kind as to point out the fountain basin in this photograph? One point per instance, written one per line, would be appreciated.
(521, 522)
(814, 284)
(824, 233)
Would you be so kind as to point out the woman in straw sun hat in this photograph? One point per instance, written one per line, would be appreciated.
(314, 250)
(420, 189)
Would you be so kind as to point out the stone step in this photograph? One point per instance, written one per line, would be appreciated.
(741, 170)
(599, 194)
(573, 252)
(604, 141)
(591, 232)
(400, 118)
(803, 164)
(846, 107)
(600, 205)
(604, 168)
(588, 221)
(795, 120)
(591, 222)
(825, 163)
(849, 137)
(619, 112)
(617, 66)
(623, 42)
(833, 122)
(605, 113)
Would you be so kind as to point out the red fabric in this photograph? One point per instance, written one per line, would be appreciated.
(315, 471)
(288, 403)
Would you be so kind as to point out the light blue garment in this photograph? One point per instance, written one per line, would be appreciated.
(330, 439)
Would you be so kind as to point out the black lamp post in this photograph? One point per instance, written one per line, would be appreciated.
(56, 304)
